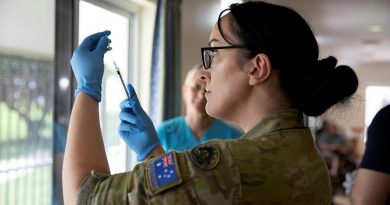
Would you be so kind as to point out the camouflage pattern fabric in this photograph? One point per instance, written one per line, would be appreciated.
(275, 163)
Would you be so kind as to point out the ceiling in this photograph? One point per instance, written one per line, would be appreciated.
(355, 31)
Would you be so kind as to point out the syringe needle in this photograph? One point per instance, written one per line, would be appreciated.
(120, 76)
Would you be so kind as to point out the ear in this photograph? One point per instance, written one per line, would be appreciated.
(260, 69)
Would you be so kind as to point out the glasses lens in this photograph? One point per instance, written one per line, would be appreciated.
(206, 59)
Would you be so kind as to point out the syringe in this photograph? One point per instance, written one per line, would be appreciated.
(120, 76)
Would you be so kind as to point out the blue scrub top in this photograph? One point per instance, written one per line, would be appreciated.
(175, 134)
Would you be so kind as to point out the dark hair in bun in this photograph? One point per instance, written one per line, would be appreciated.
(318, 88)
(311, 85)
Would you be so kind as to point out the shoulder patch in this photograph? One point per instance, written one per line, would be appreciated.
(205, 156)
(163, 173)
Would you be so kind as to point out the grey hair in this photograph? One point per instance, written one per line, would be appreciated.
(191, 74)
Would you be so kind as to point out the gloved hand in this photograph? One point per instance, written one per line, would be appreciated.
(136, 128)
(87, 64)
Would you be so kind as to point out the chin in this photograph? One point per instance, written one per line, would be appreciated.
(219, 111)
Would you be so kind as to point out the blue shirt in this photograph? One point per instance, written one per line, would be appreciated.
(174, 134)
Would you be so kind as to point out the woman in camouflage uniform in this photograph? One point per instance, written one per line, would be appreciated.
(261, 72)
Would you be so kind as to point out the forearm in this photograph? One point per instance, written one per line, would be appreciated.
(84, 148)
(370, 187)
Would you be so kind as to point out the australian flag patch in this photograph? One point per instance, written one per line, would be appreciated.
(163, 173)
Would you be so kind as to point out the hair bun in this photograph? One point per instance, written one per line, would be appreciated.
(326, 65)
(346, 81)
(329, 85)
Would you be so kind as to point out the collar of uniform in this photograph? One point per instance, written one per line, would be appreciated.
(280, 121)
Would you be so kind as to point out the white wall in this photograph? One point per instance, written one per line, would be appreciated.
(371, 74)
(27, 27)
(377, 73)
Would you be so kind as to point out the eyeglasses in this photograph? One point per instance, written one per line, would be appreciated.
(207, 53)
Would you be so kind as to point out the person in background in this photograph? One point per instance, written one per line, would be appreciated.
(334, 148)
(196, 126)
(329, 139)
(262, 72)
(372, 182)
(332, 145)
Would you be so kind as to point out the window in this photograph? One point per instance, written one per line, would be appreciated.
(131, 24)
(94, 16)
(30, 157)
(26, 101)
(377, 97)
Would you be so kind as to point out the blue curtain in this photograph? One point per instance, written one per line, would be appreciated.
(166, 62)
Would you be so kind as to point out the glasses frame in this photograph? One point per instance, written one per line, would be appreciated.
(205, 49)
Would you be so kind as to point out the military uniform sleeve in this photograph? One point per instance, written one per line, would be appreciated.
(205, 174)
(208, 176)
(102, 188)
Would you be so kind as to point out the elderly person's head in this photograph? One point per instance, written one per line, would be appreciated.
(193, 91)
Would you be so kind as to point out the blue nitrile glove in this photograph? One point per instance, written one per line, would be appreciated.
(87, 64)
(136, 128)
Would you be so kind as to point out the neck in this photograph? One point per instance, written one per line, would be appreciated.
(259, 106)
(256, 117)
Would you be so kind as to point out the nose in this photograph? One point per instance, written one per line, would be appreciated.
(203, 74)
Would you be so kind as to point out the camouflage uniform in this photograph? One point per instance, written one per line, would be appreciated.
(274, 163)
